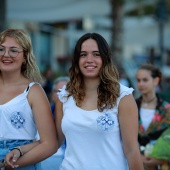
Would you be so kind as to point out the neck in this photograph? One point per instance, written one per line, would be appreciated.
(7, 79)
(149, 102)
(91, 84)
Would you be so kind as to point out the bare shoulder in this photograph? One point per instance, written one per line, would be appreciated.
(36, 93)
(36, 88)
(127, 102)
(127, 99)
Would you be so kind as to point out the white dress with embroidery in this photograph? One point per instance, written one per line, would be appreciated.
(93, 140)
(16, 118)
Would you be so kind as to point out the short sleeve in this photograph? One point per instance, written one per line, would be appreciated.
(63, 94)
(124, 91)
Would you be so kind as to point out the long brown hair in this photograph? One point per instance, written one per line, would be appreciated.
(108, 89)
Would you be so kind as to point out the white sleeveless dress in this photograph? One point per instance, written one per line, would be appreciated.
(93, 140)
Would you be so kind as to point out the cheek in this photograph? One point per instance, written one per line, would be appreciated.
(81, 62)
(100, 62)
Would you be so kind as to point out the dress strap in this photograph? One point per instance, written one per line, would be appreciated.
(30, 85)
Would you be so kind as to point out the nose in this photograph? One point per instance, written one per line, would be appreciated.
(89, 57)
(140, 83)
(6, 54)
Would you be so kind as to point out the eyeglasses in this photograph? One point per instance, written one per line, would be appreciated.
(12, 52)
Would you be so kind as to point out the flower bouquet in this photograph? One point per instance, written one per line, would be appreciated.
(161, 149)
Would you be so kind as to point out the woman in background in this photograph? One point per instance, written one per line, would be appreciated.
(154, 112)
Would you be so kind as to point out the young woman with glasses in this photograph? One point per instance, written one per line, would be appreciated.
(24, 107)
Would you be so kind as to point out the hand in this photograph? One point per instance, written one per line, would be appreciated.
(11, 158)
(150, 162)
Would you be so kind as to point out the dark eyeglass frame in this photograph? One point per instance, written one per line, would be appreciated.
(17, 52)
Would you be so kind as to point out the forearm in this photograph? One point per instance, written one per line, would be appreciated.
(36, 154)
(134, 160)
(28, 147)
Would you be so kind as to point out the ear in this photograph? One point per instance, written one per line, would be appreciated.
(24, 61)
(156, 80)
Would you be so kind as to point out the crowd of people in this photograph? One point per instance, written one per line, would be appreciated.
(88, 120)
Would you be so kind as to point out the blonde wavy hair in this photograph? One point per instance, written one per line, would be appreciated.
(109, 87)
(29, 68)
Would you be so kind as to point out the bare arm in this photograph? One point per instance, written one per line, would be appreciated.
(128, 118)
(58, 119)
(47, 145)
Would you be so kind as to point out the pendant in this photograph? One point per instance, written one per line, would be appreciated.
(145, 104)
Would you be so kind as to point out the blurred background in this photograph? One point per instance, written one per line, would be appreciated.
(138, 31)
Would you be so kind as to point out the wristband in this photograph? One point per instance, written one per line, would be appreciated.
(19, 149)
(3, 162)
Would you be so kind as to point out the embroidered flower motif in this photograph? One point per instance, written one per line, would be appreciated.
(17, 120)
(105, 122)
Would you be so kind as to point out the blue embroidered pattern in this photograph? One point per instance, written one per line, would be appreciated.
(17, 120)
(105, 122)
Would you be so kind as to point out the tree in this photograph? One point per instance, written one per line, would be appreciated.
(2, 15)
(117, 30)
(141, 8)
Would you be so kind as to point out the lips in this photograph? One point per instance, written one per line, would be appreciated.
(90, 67)
(6, 61)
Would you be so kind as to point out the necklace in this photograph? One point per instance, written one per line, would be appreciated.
(146, 103)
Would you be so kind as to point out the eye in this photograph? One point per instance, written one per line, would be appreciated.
(138, 80)
(2, 49)
(13, 51)
(83, 54)
(96, 54)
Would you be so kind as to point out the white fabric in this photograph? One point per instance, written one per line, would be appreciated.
(146, 117)
(16, 119)
(93, 140)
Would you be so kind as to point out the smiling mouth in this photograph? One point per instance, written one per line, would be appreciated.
(7, 62)
(90, 67)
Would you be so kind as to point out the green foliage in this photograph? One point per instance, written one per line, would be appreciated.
(161, 149)
(117, 2)
(145, 10)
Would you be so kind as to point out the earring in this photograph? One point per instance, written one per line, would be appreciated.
(24, 62)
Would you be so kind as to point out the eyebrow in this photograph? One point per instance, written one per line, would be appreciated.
(9, 47)
(92, 51)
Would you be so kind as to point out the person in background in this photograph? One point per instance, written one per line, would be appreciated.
(58, 83)
(123, 79)
(23, 104)
(154, 112)
(55, 160)
(47, 82)
(95, 114)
